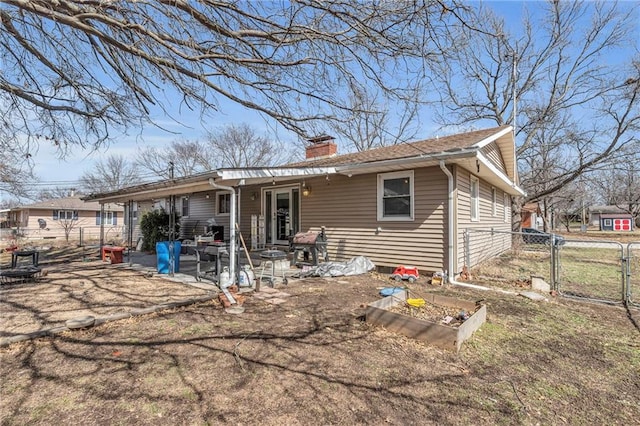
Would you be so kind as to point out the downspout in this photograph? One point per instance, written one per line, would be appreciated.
(232, 229)
(450, 219)
(451, 275)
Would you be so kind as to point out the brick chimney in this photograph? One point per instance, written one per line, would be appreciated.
(321, 146)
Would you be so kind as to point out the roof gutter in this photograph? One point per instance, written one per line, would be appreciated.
(232, 232)
(151, 188)
(441, 156)
(273, 172)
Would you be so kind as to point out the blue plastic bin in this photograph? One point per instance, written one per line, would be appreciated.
(162, 255)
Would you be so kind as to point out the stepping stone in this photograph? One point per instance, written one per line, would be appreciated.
(275, 301)
(533, 296)
(80, 322)
(262, 295)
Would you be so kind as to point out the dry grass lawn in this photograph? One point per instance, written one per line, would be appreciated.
(311, 360)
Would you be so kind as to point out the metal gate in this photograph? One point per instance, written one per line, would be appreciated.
(601, 271)
(593, 270)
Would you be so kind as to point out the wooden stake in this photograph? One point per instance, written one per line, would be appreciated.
(246, 252)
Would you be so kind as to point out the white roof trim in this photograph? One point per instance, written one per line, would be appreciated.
(232, 174)
(489, 165)
(493, 137)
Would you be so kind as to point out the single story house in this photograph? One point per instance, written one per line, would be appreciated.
(57, 218)
(408, 203)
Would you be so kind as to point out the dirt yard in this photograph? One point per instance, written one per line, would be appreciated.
(309, 360)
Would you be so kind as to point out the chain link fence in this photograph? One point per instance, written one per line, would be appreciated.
(506, 259)
(81, 235)
(601, 271)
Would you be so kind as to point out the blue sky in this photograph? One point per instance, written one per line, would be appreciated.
(65, 172)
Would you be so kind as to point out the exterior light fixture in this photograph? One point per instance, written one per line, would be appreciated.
(306, 191)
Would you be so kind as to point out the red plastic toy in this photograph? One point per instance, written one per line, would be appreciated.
(409, 273)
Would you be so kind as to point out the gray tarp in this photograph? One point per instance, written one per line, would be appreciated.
(356, 266)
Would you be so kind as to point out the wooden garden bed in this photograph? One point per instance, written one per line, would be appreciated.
(433, 332)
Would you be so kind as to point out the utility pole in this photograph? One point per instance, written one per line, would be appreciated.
(172, 225)
(514, 67)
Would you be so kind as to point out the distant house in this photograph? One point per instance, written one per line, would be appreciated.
(53, 219)
(530, 215)
(4, 218)
(610, 218)
(409, 203)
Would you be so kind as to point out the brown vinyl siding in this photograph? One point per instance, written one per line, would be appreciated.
(347, 207)
(483, 243)
(492, 152)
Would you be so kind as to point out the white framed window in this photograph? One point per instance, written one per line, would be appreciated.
(108, 218)
(184, 202)
(395, 196)
(608, 222)
(223, 202)
(474, 190)
(494, 202)
(65, 215)
(506, 206)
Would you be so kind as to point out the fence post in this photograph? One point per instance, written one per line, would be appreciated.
(467, 248)
(625, 279)
(554, 262)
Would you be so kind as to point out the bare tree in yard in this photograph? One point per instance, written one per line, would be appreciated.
(14, 179)
(188, 157)
(55, 193)
(110, 174)
(67, 219)
(576, 105)
(239, 145)
(80, 74)
(618, 182)
(368, 124)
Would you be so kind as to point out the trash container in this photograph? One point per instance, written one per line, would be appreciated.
(162, 255)
(116, 255)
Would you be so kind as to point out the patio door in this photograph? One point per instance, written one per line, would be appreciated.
(281, 212)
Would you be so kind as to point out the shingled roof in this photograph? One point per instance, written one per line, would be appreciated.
(404, 150)
(68, 203)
